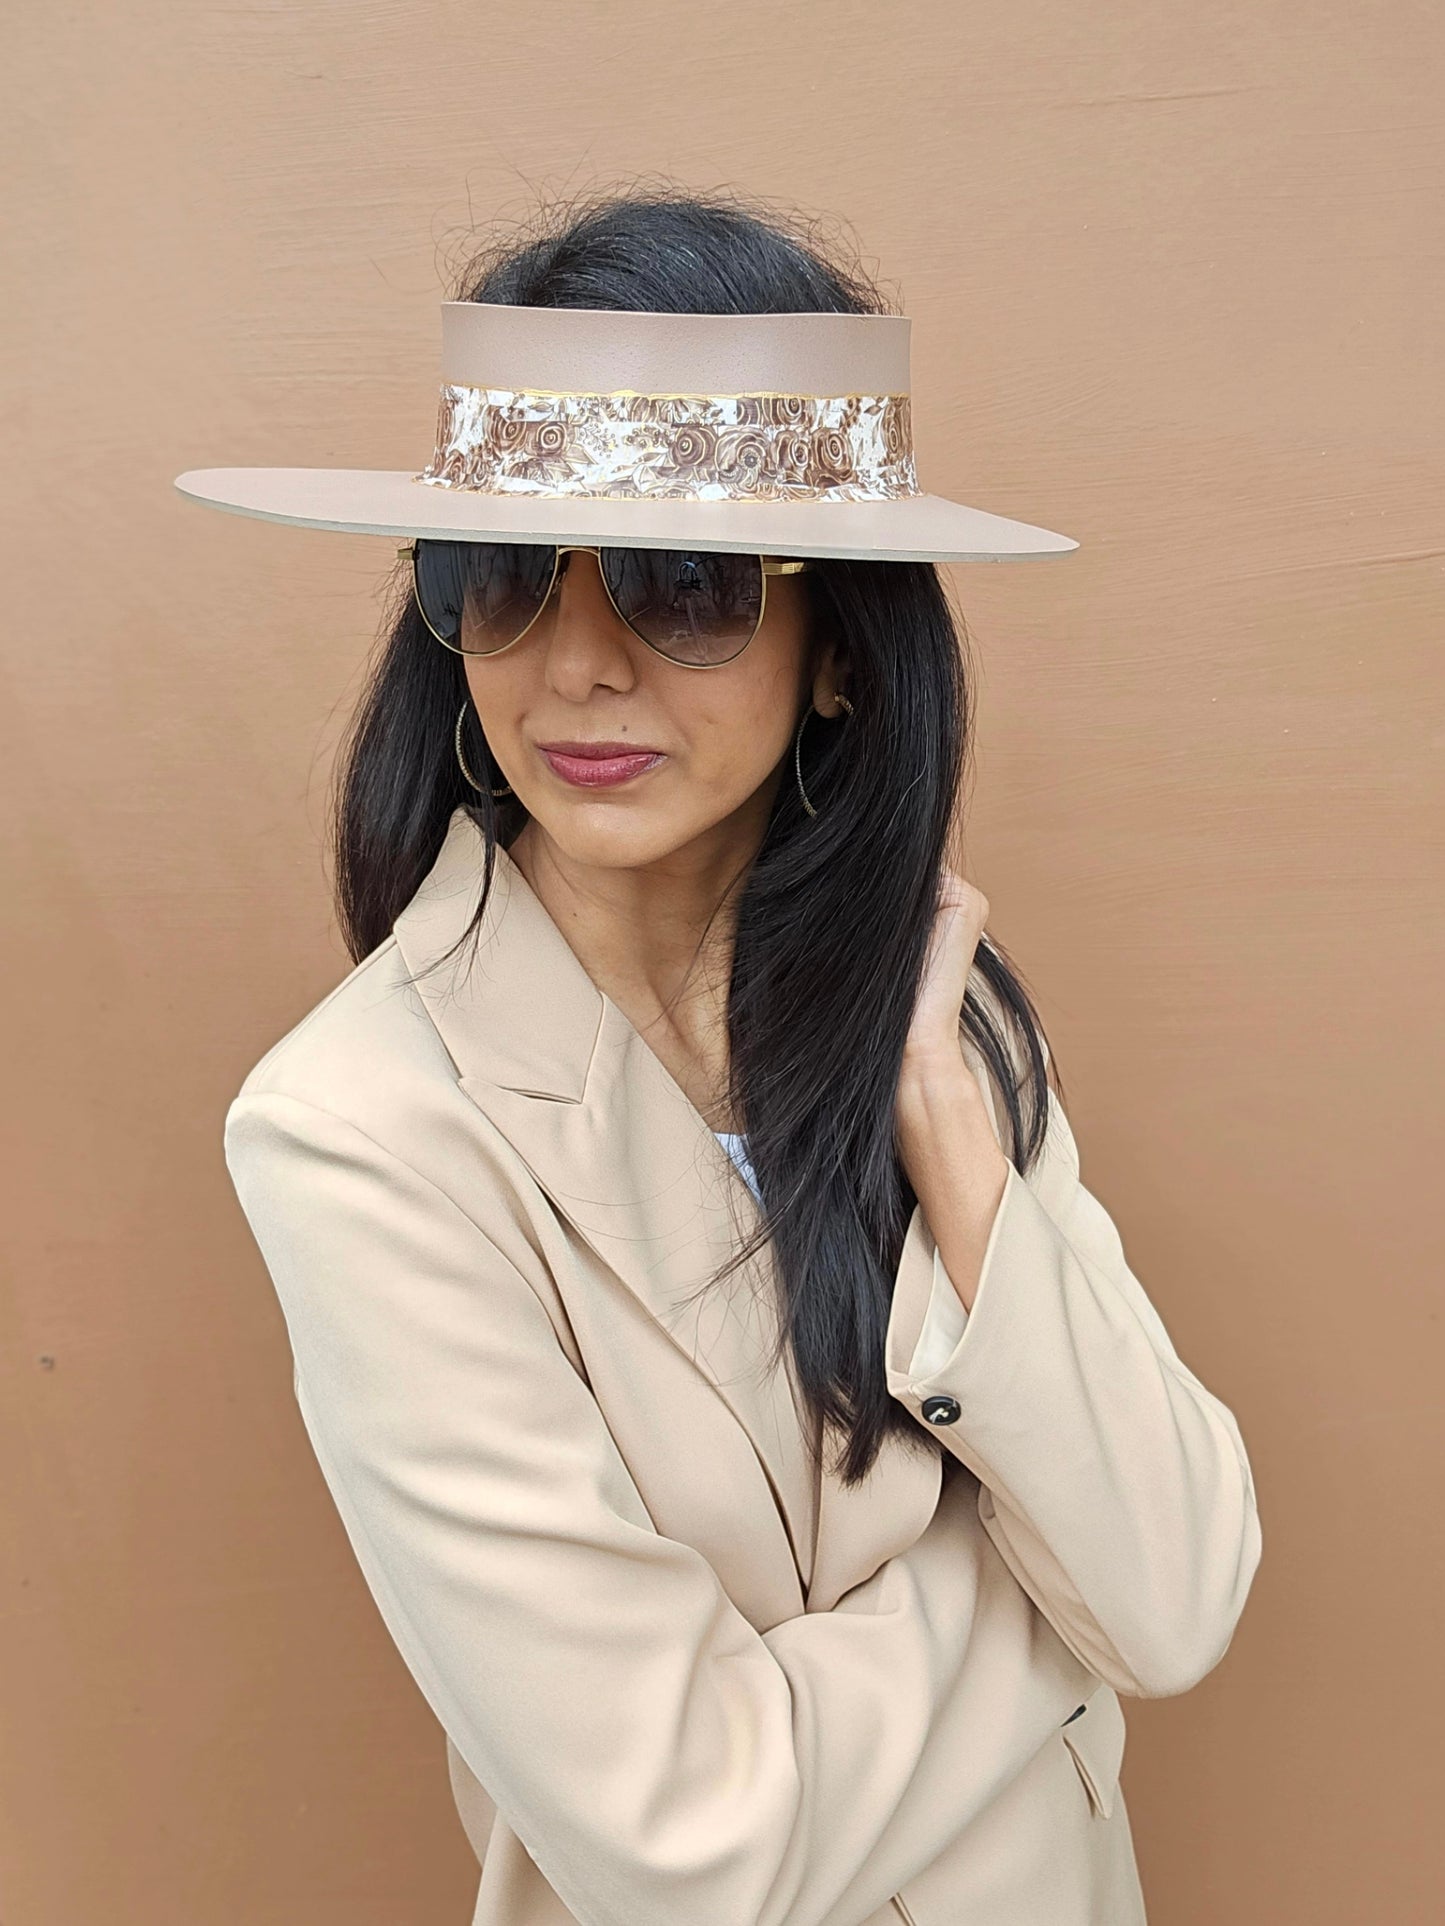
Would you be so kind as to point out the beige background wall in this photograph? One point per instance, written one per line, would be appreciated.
(1177, 281)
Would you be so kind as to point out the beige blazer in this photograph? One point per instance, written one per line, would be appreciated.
(682, 1679)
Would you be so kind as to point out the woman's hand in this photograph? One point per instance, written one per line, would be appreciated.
(933, 1035)
(946, 1142)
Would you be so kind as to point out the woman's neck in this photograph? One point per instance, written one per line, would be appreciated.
(657, 941)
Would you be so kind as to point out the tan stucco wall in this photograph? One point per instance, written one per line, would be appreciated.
(1177, 283)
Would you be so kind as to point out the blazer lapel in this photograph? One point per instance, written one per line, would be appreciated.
(624, 1156)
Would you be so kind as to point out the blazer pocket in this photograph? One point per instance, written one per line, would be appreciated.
(1095, 1737)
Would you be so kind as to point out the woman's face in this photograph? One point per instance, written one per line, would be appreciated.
(580, 675)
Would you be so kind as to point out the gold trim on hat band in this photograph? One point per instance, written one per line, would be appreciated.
(744, 447)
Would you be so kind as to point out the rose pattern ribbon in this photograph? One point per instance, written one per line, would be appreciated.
(748, 447)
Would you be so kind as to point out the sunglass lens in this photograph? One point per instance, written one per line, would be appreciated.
(479, 596)
(695, 607)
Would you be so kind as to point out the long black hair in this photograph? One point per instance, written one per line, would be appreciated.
(834, 915)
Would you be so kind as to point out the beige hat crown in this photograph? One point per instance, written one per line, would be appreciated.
(785, 434)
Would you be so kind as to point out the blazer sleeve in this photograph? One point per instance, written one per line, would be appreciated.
(658, 1757)
(1115, 1486)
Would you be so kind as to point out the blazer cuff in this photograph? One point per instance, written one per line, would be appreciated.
(944, 1317)
(928, 1319)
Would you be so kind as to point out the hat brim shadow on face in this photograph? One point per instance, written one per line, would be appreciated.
(367, 501)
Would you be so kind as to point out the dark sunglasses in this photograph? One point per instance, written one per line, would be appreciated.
(697, 609)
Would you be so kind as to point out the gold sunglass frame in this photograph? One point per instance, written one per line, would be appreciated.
(768, 564)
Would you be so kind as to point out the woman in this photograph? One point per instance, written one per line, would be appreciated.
(678, 1112)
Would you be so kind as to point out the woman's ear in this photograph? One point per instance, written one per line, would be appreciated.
(830, 678)
(830, 671)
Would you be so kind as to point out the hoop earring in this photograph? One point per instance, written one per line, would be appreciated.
(847, 706)
(505, 790)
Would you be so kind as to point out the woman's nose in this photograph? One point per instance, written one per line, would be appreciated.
(582, 607)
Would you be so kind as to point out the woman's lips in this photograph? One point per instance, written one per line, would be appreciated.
(601, 772)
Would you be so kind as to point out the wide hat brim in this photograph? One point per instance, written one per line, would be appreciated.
(367, 501)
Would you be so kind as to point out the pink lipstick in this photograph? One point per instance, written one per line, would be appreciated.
(599, 765)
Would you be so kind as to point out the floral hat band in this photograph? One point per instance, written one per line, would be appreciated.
(750, 447)
(785, 434)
